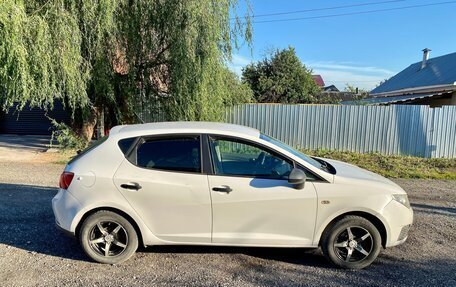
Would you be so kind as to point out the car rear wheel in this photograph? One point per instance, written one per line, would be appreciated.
(107, 237)
(352, 242)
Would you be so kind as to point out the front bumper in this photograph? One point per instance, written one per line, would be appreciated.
(65, 207)
(400, 219)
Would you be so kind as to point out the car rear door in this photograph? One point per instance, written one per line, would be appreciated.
(162, 179)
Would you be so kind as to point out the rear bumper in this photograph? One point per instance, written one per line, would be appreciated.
(65, 207)
(64, 231)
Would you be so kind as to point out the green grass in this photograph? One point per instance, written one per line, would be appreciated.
(395, 166)
(63, 156)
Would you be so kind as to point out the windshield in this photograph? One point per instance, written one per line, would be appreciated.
(291, 150)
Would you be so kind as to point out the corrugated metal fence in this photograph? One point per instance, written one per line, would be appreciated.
(397, 129)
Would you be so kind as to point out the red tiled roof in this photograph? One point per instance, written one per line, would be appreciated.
(318, 80)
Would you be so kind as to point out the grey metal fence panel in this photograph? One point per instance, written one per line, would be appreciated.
(444, 132)
(397, 129)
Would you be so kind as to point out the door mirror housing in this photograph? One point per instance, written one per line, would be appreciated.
(297, 178)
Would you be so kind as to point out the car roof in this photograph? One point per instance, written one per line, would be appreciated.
(184, 127)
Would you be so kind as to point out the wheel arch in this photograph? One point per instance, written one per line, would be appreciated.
(377, 222)
(115, 210)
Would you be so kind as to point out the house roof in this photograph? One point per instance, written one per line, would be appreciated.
(331, 88)
(439, 71)
(390, 100)
(318, 80)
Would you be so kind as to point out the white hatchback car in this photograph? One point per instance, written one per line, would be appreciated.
(220, 184)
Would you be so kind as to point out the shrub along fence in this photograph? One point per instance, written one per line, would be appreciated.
(413, 130)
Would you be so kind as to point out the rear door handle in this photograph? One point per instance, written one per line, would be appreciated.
(131, 186)
(223, 188)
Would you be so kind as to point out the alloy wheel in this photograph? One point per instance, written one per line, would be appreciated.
(108, 238)
(353, 244)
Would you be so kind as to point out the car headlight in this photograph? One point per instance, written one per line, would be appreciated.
(402, 199)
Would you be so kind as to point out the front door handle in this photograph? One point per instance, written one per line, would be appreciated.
(223, 188)
(131, 186)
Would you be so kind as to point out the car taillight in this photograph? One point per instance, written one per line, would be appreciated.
(65, 179)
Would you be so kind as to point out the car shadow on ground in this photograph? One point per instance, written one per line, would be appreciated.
(299, 256)
(27, 222)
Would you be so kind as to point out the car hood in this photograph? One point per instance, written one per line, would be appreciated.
(352, 172)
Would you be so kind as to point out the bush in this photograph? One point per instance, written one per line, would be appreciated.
(66, 138)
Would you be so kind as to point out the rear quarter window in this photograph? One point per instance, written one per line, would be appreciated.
(125, 144)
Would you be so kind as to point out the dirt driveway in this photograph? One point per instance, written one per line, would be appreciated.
(34, 253)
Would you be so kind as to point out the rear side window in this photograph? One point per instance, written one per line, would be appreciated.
(174, 154)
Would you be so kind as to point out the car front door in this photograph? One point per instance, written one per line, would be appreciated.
(163, 181)
(252, 201)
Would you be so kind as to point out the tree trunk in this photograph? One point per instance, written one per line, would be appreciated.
(100, 124)
(88, 125)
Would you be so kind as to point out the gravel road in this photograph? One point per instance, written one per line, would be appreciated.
(34, 253)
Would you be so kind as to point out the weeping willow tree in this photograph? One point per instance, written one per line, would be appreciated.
(110, 55)
(184, 45)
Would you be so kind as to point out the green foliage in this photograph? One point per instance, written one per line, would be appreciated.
(362, 93)
(40, 54)
(66, 138)
(110, 55)
(395, 166)
(238, 92)
(281, 78)
(328, 98)
(184, 45)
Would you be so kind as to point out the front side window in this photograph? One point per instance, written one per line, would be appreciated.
(173, 154)
(235, 157)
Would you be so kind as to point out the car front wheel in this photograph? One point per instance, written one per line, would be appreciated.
(353, 243)
(107, 237)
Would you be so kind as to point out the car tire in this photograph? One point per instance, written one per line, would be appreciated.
(108, 237)
(353, 242)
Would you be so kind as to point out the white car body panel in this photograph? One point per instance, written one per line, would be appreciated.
(181, 208)
(263, 212)
(175, 206)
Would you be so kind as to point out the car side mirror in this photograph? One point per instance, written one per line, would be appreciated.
(297, 178)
